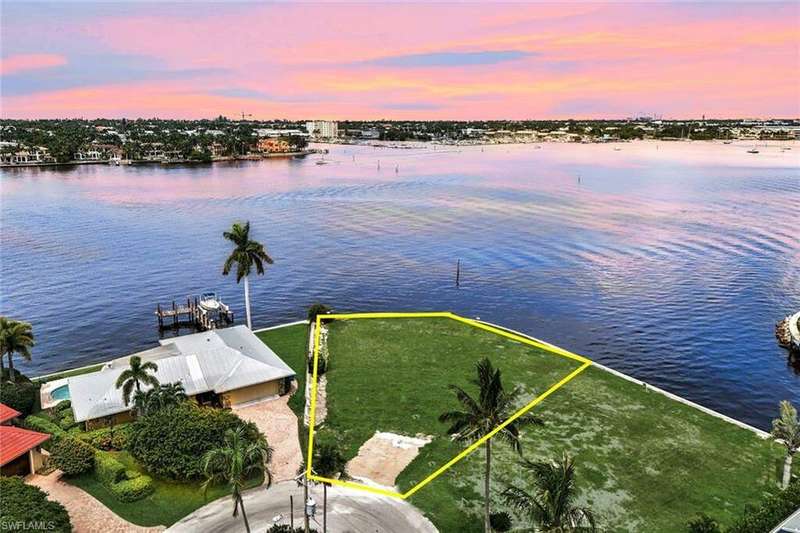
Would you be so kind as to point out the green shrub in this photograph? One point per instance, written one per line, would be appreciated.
(171, 442)
(125, 485)
(67, 420)
(703, 523)
(500, 522)
(771, 512)
(322, 366)
(43, 425)
(107, 438)
(284, 528)
(26, 504)
(134, 487)
(64, 405)
(317, 309)
(72, 456)
(20, 396)
(107, 469)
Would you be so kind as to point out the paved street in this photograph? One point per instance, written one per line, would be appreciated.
(349, 510)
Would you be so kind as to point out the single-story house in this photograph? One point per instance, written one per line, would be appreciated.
(20, 449)
(223, 367)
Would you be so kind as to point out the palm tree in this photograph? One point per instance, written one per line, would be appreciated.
(246, 254)
(482, 416)
(235, 462)
(551, 508)
(15, 337)
(170, 394)
(135, 376)
(152, 400)
(787, 430)
(329, 462)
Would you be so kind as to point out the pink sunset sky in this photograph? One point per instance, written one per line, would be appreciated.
(400, 60)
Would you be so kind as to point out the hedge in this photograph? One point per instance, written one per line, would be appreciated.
(72, 456)
(171, 442)
(25, 504)
(771, 512)
(137, 487)
(107, 469)
(125, 485)
(107, 438)
(43, 425)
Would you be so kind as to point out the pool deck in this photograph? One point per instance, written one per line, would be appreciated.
(45, 393)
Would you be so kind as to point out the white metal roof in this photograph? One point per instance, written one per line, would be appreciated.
(217, 360)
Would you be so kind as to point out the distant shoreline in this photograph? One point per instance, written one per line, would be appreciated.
(168, 162)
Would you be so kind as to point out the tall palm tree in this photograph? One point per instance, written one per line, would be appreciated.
(15, 337)
(483, 415)
(787, 430)
(136, 375)
(246, 254)
(235, 462)
(329, 462)
(551, 507)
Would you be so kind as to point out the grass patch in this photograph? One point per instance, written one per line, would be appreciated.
(68, 373)
(645, 462)
(170, 502)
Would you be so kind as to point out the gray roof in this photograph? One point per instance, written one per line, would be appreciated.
(218, 360)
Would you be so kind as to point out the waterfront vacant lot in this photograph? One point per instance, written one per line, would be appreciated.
(644, 462)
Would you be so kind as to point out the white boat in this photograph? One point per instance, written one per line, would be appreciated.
(752, 151)
(209, 301)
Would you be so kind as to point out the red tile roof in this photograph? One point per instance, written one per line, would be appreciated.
(7, 413)
(16, 441)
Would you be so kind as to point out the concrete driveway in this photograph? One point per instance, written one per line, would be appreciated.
(278, 423)
(349, 511)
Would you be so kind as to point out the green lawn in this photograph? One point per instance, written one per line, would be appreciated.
(68, 373)
(170, 502)
(645, 462)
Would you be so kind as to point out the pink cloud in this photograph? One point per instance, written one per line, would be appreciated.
(22, 62)
(363, 61)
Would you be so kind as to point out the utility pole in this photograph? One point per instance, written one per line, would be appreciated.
(305, 503)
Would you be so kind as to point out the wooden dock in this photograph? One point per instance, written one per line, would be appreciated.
(192, 315)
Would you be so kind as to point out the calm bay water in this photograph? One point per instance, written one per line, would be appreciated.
(669, 262)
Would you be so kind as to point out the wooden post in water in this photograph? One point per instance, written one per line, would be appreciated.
(291, 507)
(458, 273)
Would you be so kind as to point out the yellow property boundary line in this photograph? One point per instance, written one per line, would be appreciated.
(472, 447)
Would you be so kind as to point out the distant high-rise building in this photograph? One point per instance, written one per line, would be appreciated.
(323, 129)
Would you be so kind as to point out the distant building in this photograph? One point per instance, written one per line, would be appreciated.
(323, 129)
(27, 156)
(273, 133)
(274, 146)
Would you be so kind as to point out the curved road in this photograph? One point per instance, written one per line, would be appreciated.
(349, 510)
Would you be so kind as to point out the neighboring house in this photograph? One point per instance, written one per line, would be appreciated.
(20, 449)
(790, 525)
(222, 367)
(274, 145)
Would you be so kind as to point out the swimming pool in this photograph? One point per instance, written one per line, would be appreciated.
(60, 393)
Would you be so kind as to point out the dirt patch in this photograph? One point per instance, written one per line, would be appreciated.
(278, 423)
(384, 456)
